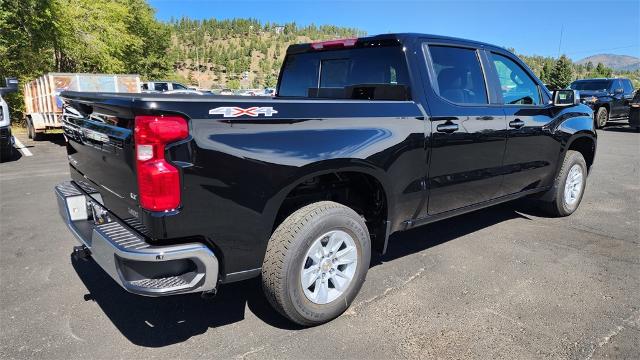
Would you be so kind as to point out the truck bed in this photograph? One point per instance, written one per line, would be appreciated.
(238, 164)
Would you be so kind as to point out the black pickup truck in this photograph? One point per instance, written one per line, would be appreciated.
(175, 194)
(608, 98)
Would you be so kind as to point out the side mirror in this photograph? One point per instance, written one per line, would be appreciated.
(566, 97)
(618, 91)
(11, 85)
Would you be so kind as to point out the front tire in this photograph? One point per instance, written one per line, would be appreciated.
(316, 263)
(568, 187)
(602, 116)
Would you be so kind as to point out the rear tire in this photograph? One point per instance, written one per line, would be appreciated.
(30, 129)
(326, 245)
(602, 116)
(32, 133)
(568, 187)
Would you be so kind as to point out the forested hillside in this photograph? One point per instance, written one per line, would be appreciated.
(93, 36)
(240, 52)
(214, 54)
(559, 72)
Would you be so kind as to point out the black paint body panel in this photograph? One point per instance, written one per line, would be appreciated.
(236, 172)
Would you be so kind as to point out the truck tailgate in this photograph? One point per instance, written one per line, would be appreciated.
(101, 154)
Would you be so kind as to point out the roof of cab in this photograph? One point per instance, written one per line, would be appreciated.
(601, 78)
(400, 37)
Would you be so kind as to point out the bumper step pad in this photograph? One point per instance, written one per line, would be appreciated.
(124, 254)
(121, 237)
(162, 283)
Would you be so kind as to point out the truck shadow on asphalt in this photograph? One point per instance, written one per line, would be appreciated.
(623, 129)
(54, 138)
(14, 156)
(158, 322)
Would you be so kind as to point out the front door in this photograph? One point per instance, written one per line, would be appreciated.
(467, 131)
(531, 151)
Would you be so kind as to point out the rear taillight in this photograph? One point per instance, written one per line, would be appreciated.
(158, 181)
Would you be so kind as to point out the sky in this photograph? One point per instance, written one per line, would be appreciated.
(588, 27)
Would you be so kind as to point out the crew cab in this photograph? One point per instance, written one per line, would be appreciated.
(365, 137)
(609, 98)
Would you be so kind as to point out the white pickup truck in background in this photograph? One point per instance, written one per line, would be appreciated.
(44, 107)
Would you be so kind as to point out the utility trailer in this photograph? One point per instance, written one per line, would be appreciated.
(43, 104)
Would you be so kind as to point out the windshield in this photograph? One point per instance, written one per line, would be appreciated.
(359, 73)
(591, 85)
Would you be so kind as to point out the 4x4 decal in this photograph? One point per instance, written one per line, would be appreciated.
(231, 111)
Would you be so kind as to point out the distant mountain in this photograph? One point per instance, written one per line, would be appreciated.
(616, 62)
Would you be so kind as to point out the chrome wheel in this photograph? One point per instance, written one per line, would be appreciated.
(573, 185)
(602, 117)
(329, 267)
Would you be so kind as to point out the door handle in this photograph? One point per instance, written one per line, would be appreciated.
(516, 124)
(447, 128)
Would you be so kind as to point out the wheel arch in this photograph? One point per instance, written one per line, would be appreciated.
(576, 124)
(281, 205)
(585, 144)
(605, 105)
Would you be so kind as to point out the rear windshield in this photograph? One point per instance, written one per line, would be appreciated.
(591, 85)
(378, 73)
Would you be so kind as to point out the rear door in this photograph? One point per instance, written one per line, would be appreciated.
(618, 103)
(531, 151)
(467, 129)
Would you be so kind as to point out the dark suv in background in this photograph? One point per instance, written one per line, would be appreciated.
(609, 98)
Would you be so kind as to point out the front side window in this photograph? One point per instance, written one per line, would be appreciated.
(458, 74)
(177, 86)
(517, 87)
(628, 88)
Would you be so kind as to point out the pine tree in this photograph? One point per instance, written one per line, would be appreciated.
(545, 74)
(190, 78)
(602, 71)
(562, 73)
(589, 66)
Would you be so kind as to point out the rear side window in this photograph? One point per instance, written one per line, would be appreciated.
(517, 87)
(458, 75)
(591, 85)
(374, 73)
(161, 86)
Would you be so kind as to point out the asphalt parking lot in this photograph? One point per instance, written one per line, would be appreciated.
(505, 282)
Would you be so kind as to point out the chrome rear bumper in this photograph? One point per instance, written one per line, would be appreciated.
(137, 266)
